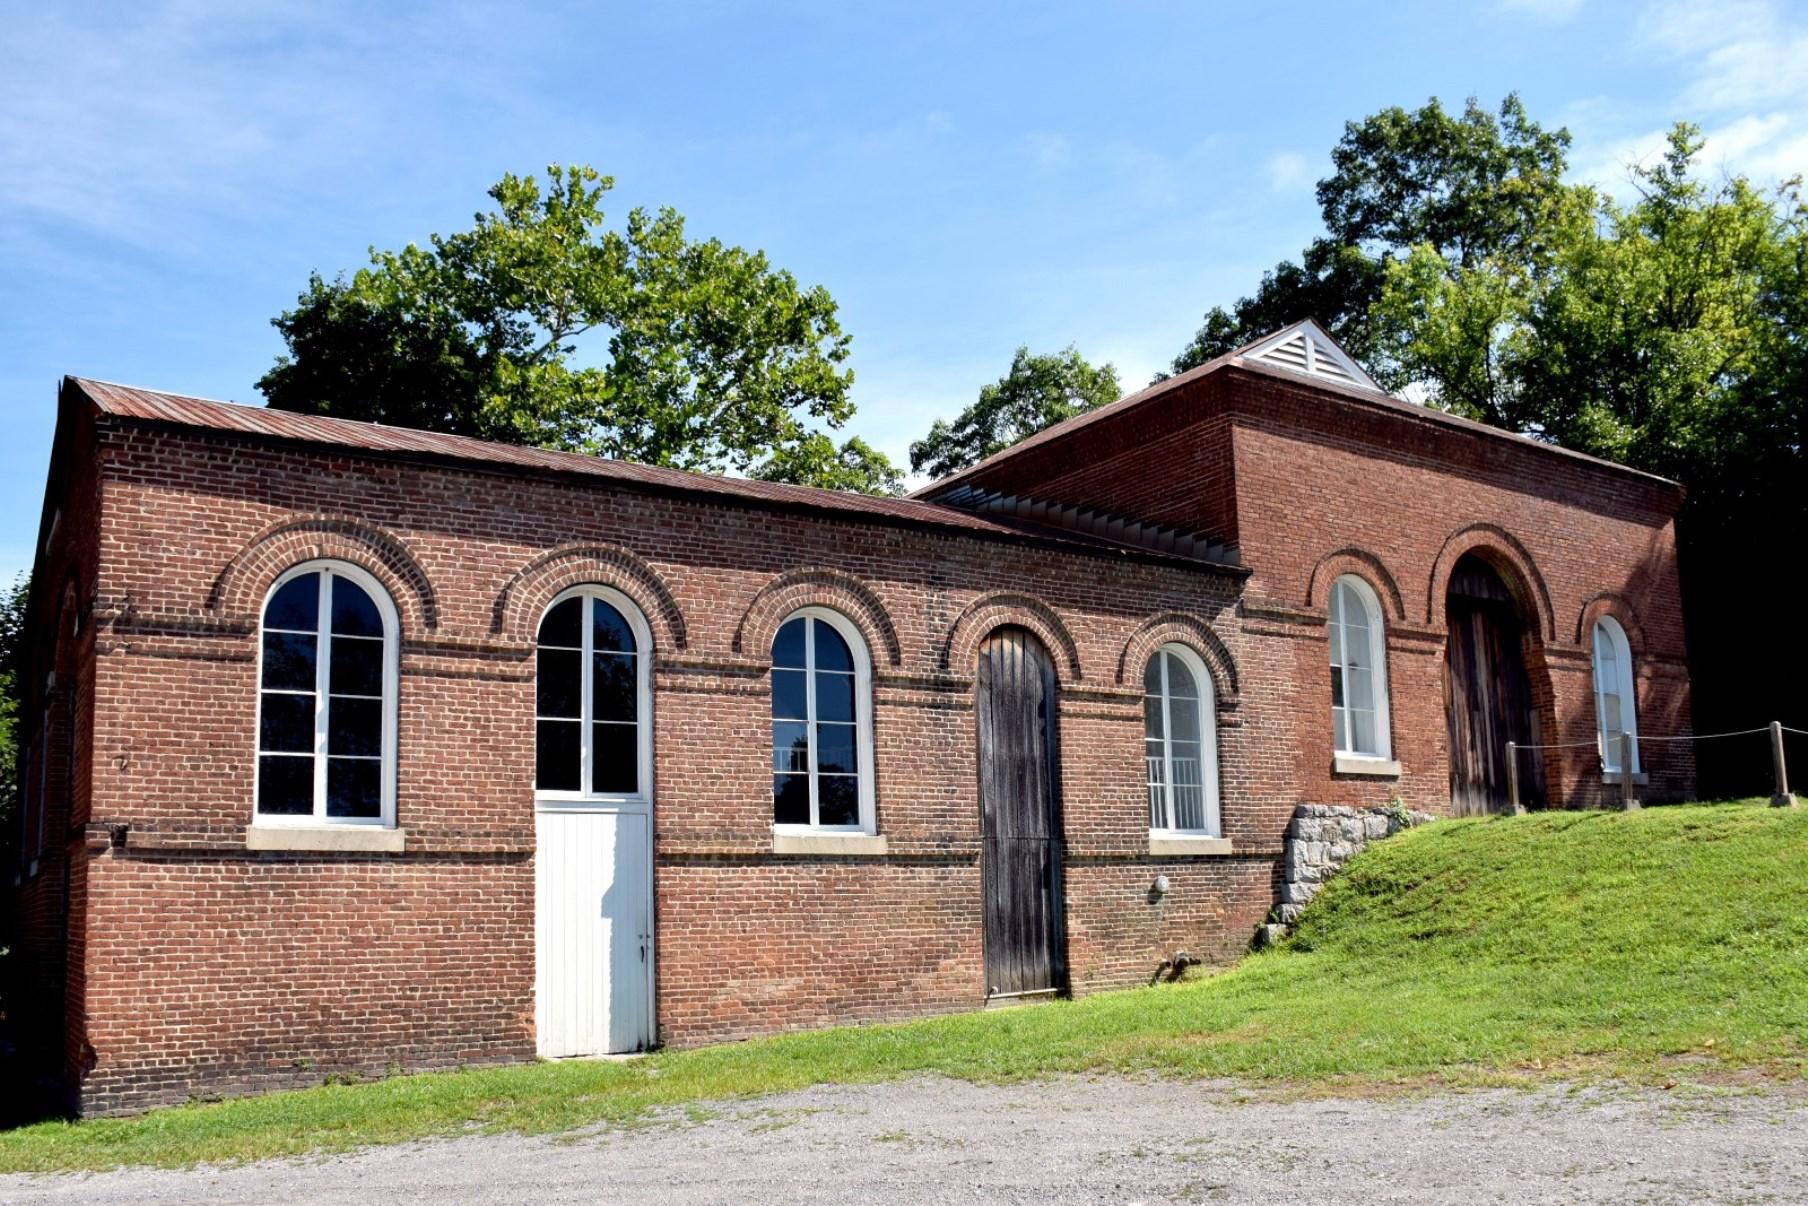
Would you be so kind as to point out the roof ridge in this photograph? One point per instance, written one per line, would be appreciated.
(164, 393)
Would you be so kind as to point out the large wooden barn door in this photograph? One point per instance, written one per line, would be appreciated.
(1486, 691)
(1019, 814)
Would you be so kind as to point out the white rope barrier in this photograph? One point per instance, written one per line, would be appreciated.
(1708, 736)
(1628, 746)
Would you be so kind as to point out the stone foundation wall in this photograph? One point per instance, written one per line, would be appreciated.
(1320, 839)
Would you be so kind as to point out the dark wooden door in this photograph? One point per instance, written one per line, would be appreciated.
(1486, 693)
(1019, 818)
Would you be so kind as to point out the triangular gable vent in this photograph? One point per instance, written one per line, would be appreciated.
(1303, 348)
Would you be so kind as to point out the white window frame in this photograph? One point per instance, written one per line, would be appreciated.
(1377, 639)
(1207, 737)
(323, 664)
(863, 721)
(642, 796)
(1622, 653)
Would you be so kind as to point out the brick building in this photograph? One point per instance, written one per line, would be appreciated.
(352, 748)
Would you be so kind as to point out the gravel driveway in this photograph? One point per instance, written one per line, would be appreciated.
(1083, 1139)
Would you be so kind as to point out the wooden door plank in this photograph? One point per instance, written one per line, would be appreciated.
(1014, 711)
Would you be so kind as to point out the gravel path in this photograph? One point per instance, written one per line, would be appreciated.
(1084, 1140)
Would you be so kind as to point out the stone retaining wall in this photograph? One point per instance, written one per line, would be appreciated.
(1320, 839)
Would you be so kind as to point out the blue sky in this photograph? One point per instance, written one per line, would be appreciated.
(962, 178)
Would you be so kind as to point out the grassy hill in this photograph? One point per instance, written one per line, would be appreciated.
(1669, 944)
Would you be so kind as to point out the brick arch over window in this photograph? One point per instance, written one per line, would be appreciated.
(240, 589)
(1182, 629)
(66, 628)
(1502, 550)
(987, 612)
(1361, 563)
(1610, 603)
(518, 608)
(840, 592)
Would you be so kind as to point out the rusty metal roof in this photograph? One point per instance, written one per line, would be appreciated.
(157, 407)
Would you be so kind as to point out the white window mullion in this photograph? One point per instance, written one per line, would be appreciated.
(810, 715)
(1167, 746)
(586, 747)
(323, 669)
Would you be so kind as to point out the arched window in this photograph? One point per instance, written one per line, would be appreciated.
(591, 699)
(822, 738)
(1615, 711)
(1358, 671)
(327, 698)
(1180, 743)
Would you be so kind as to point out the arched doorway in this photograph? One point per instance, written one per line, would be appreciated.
(1019, 816)
(1487, 691)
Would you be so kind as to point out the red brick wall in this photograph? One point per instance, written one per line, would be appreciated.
(1166, 461)
(270, 969)
(46, 965)
(1324, 491)
(212, 974)
(1322, 484)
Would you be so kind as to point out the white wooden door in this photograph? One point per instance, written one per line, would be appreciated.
(593, 932)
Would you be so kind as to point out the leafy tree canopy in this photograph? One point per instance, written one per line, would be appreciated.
(815, 460)
(1038, 392)
(716, 361)
(1466, 186)
(1655, 333)
(13, 601)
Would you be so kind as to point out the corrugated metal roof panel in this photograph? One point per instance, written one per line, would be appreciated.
(131, 402)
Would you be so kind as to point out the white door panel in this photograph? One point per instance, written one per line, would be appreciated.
(592, 932)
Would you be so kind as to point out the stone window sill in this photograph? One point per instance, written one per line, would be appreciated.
(865, 845)
(1615, 778)
(1374, 768)
(1188, 844)
(337, 839)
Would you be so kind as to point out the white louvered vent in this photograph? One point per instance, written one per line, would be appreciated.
(1303, 348)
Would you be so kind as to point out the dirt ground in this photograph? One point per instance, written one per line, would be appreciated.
(1073, 1140)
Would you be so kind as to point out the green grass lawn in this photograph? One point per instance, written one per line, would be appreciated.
(1668, 944)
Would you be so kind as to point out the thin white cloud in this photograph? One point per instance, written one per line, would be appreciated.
(1046, 148)
(1555, 11)
(1764, 147)
(1737, 55)
(145, 122)
(1744, 71)
(1287, 172)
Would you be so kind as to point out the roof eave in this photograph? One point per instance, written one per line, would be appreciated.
(1006, 535)
(1414, 411)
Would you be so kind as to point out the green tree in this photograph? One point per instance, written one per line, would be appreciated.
(1652, 322)
(1466, 186)
(815, 460)
(715, 360)
(1037, 392)
(12, 648)
(1664, 333)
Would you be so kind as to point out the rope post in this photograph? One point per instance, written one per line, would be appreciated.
(1782, 797)
(1513, 778)
(1628, 801)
